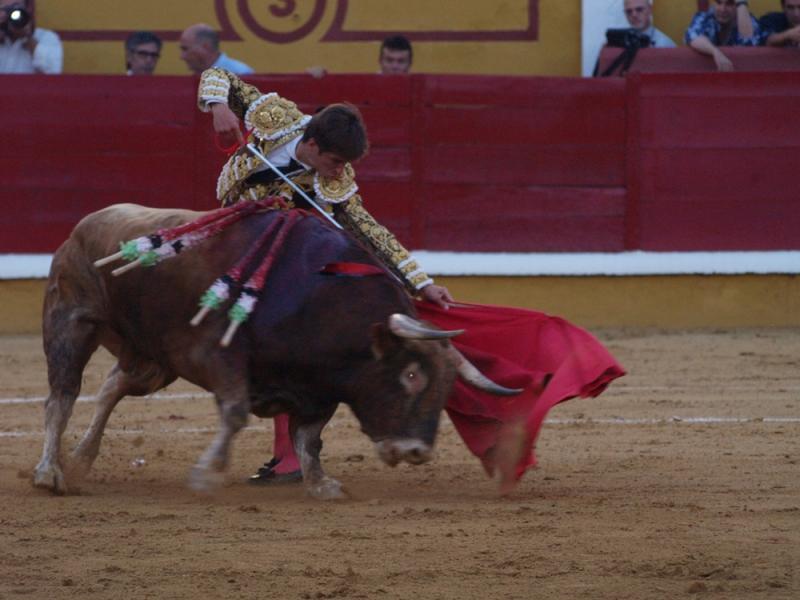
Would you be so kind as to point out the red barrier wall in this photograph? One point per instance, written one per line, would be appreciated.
(660, 162)
(716, 161)
(686, 60)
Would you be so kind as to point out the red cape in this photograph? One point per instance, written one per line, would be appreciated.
(549, 357)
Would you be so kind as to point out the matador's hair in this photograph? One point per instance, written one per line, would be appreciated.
(339, 129)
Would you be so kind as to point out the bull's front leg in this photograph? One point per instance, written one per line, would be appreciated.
(307, 446)
(234, 409)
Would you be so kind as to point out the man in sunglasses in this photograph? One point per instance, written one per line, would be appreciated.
(640, 17)
(142, 51)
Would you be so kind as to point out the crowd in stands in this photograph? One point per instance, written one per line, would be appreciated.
(725, 23)
(26, 48)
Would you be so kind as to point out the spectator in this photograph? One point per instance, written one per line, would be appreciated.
(25, 48)
(200, 51)
(142, 51)
(727, 23)
(782, 28)
(395, 56)
(640, 17)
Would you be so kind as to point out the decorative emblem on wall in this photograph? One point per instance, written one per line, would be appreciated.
(287, 21)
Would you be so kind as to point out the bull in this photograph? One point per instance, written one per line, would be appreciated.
(312, 342)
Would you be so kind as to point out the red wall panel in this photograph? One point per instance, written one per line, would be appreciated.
(686, 60)
(717, 160)
(656, 161)
(506, 218)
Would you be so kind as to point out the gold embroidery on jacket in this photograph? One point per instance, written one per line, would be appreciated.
(336, 190)
(277, 121)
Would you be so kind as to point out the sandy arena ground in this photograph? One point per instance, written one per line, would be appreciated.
(636, 495)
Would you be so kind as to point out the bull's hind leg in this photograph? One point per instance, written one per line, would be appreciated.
(69, 342)
(233, 401)
(145, 379)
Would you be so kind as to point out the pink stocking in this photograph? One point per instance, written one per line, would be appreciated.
(283, 448)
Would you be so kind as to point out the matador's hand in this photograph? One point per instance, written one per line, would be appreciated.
(437, 294)
(226, 123)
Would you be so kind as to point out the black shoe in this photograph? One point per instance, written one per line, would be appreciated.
(266, 475)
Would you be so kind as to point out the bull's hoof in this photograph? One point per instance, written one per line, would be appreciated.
(51, 478)
(327, 488)
(78, 467)
(205, 480)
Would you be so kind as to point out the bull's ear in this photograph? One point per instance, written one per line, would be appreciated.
(383, 341)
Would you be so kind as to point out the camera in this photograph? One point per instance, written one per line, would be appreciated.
(18, 17)
(627, 38)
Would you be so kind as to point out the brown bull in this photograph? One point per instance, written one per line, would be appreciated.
(312, 342)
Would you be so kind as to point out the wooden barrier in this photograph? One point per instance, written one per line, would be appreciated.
(654, 161)
(687, 60)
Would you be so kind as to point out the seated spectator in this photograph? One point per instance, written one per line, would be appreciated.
(640, 17)
(395, 55)
(394, 58)
(25, 48)
(727, 23)
(782, 28)
(200, 51)
(142, 51)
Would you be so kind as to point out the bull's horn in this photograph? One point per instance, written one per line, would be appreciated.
(406, 327)
(470, 374)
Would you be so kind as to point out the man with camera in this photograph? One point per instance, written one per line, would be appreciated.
(640, 17)
(641, 34)
(25, 48)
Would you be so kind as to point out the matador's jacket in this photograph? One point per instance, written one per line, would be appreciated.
(274, 122)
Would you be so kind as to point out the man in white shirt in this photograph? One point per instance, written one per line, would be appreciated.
(640, 17)
(200, 51)
(25, 48)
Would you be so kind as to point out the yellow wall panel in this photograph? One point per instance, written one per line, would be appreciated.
(123, 15)
(504, 37)
(670, 302)
(421, 15)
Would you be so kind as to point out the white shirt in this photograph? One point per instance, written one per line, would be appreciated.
(48, 57)
(658, 38)
(283, 155)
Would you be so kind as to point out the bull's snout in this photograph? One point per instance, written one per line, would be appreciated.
(413, 451)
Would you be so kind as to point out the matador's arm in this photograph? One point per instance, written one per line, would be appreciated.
(219, 85)
(354, 217)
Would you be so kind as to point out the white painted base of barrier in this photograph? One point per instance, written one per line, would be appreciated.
(37, 266)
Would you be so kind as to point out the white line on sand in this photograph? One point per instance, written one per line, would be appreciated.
(618, 389)
(614, 421)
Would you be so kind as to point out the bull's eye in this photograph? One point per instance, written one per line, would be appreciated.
(413, 378)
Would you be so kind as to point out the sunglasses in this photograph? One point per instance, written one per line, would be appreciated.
(146, 54)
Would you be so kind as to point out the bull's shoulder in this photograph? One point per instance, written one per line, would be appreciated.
(121, 222)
